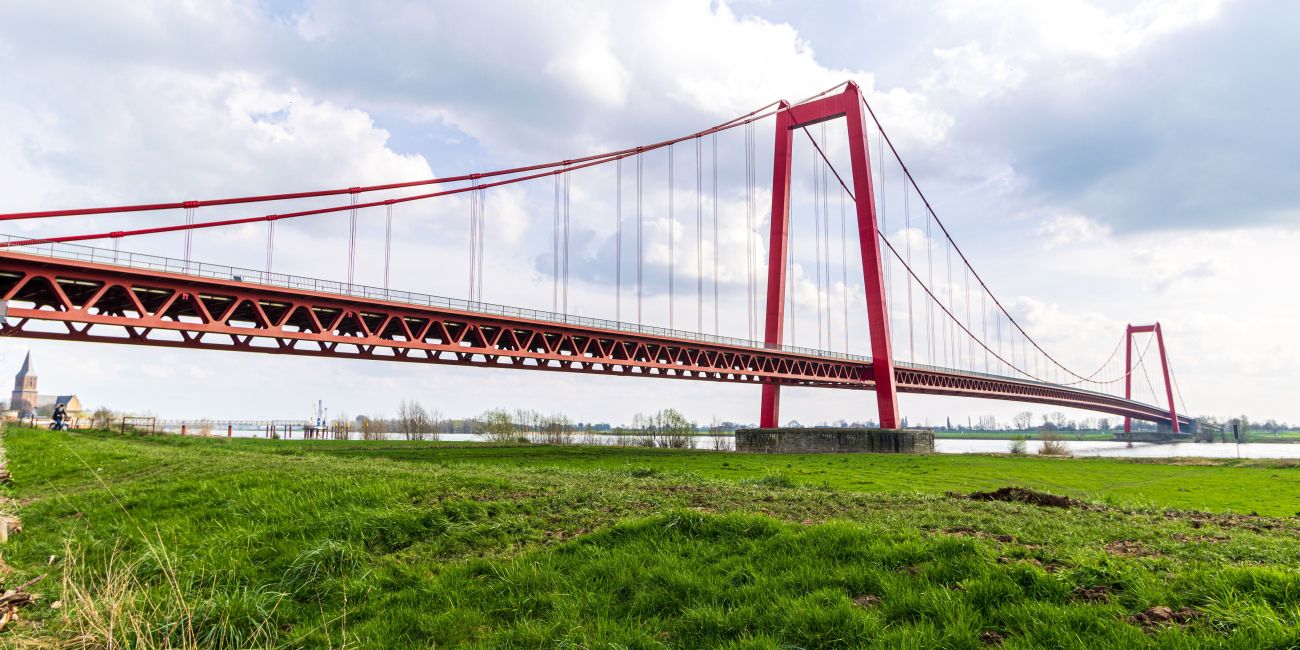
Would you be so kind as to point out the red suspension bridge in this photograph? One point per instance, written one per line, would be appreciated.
(932, 324)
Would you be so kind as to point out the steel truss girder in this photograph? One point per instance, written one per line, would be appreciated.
(57, 299)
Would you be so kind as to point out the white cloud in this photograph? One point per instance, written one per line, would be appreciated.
(1070, 229)
(973, 74)
(1080, 27)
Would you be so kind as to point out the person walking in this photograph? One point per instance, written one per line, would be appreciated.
(60, 416)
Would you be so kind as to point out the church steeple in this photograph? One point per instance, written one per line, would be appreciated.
(27, 368)
(24, 396)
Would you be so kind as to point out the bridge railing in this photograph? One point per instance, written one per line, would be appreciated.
(144, 261)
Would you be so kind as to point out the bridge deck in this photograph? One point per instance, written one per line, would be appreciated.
(71, 292)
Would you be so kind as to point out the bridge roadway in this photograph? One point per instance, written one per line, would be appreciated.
(80, 293)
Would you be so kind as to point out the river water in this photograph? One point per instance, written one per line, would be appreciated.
(976, 446)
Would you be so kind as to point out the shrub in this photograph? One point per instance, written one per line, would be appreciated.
(496, 425)
(1053, 446)
(1018, 445)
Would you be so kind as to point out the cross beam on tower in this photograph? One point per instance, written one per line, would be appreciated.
(1164, 368)
(848, 105)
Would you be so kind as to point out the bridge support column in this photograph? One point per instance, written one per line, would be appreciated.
(849, 105)
(1164, 368)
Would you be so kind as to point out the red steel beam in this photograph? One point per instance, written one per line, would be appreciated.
(848, 105)
(58, 299)
(1164, 367)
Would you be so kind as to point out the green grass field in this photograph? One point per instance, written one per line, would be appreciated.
(170, 542)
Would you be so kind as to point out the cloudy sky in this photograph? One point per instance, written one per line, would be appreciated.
(1100, 162)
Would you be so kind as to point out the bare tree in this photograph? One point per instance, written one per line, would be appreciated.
(673, 429)
(557, 430)
(372, 428)
(1059, 419)
(529, 423)
(497, 425)
(434, 425)
(1024, 420)
(413, 421)
(644, 426)
(102, 418)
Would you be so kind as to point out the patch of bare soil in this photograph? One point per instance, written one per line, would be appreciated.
(991, 637)
(1252, 522)
(1025, 495)
(1097, 594)
(1207, 539)
(1161, 616)
(866, 600)
(1128, 548)
(972, 532)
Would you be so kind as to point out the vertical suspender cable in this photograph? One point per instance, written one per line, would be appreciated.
(826, 236)
(1024, 354)
(970, 325)
(270, 243)
(671, 261)
(749, 224)
(639, 246)
(997, 323)
(844, 269)
(929, 304)
(555, 250)
(189, 234)
(388, 240)
(473, 238)
(716, 244)
(564, 294)
(790, 285)
(950, 330)
(352, 239)
(482, 236)
(817, 240)
(618, 240)
(699, 235)
(984, 314)
(907, 239)
(884, 230)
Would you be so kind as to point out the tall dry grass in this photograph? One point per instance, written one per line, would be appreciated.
(1053, 446)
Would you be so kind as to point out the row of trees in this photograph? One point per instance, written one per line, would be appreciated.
(664, 428)
(413, 422)
(1057, 421)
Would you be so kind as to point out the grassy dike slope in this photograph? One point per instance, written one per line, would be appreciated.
(167, 542)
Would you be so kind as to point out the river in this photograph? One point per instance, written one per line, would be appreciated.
(979, 446)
